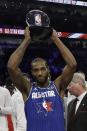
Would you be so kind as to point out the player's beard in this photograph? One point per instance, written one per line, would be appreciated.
(42, 80)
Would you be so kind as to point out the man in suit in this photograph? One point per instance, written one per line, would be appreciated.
(78, 120)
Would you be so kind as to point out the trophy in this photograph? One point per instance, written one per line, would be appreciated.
(39, 25)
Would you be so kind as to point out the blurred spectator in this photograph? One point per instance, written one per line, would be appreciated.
(77, 108)
(5, 108)
(70, 97)
(18, 116)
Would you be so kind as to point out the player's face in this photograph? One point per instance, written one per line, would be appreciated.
(40, 71)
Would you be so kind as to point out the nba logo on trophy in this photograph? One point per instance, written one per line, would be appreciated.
(38, 20)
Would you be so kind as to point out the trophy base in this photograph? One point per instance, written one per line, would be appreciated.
(39, 33)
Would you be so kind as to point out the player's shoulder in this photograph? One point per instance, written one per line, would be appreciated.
(17, 94)
(3, 89)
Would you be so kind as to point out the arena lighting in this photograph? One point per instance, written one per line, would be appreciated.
(72, 2)
(11, 31)
(20, 32)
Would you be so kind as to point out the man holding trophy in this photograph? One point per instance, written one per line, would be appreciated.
(43, 104)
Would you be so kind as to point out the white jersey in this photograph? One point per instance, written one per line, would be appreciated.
(18, 117)
(5, 105)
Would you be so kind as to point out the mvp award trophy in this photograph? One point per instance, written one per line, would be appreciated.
(39, 25)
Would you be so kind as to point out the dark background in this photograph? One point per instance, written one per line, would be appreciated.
(69, 18)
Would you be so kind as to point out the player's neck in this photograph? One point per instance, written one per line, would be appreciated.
(42, 85)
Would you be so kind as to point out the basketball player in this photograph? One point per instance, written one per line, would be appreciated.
(43, 106)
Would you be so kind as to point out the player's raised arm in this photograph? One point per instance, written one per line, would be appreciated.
(14, 61)
(63, 80)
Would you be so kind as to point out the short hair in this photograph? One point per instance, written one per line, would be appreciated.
(39, 59)
(8, 81)
(79, 77)
(81, 73)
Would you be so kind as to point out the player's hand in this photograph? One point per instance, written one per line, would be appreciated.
(27, 33)
(54, 35)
